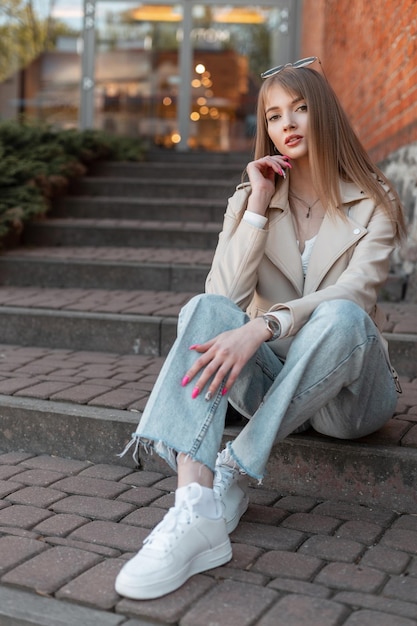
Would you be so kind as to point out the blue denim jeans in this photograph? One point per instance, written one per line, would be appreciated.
(336, 378)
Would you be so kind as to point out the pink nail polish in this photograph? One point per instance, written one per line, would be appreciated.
(185, 381)
(224, 392)
(195, 393)
(193, 347)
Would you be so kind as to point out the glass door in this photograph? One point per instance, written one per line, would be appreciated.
(136, 77)
(182, 75)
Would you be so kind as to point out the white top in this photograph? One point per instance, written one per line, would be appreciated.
(259, 221)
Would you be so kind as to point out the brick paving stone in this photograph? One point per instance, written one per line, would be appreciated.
(117, 398)
(119, 536)
(107, 472)
(259, 514)
(268, 537)
(165, 502)
(385, 559)
(301, 587)
(36, 496)
(14, 550)
(55, 464)
(401, 588)
(60, 525)
(265, 497)
(146, 517)
(23, 516)
(43, 390)
(238, 575)
(351, 577)
(223, 605)
(140, 496)
(311, 523)
(170, 608)
(364, 532)
(95, 587)
(18, 532)
(7, 487)
(332, 548)
(51, 569)
(279, 563)
(83, 485)
(41, 478)
(7, 471)
(168, 483)
(142, 478)
(412, 567)
(386, 605)
(103, 551)
(244, 555)
(370, 618)
(93, 507)
(355, 512)
(400, 539)
(10, 386)
(82, 393)
(297, 504)
(297, 610)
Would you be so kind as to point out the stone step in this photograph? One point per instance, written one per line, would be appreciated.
(125, 322)
(195, 169)
(239, 159)
(153, 187)
(165, 209)
(106, 268)
(123, 233)
(120, 321)
(84, 405)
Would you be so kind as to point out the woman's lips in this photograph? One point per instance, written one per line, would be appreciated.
(292, 140)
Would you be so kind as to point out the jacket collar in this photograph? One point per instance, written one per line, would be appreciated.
(335, 236)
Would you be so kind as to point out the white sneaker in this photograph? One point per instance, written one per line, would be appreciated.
(183, 544)
(229, 487)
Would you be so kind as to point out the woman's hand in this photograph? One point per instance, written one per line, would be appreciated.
(261, 175)
(225, 355)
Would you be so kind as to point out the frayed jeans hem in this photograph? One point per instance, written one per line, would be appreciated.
(168, 453)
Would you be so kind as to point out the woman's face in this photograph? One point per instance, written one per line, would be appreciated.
(287, 122)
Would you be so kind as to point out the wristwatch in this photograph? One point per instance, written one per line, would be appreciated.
(272, 325)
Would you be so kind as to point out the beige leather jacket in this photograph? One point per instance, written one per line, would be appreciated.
(260, 269)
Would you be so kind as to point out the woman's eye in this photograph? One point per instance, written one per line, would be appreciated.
(303, 107)
(274, 117)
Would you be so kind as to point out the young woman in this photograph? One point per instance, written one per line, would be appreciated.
(288, 331)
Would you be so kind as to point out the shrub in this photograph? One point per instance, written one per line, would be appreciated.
(37, 162)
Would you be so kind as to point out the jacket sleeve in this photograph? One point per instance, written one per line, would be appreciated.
(239, 251)
(359, 282)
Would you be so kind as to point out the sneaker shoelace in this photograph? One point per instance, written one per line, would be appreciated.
(161, 538)
(224, 475)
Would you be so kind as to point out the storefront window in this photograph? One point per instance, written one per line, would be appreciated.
(40, 67)
(177, 74)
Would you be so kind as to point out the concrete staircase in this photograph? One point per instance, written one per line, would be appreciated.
(103, 278)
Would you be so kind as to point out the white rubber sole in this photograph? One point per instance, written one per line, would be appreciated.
(232, 523)
(128, 587)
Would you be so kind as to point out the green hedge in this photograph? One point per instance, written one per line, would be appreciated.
(37, 163)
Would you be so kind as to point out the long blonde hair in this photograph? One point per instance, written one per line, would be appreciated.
(335, 151)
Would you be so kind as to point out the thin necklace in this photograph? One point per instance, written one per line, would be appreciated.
(309, 206)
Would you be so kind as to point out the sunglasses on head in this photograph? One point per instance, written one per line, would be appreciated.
(301, 63)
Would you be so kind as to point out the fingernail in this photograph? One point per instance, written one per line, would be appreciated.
(195, 393)
(185, 381)
(193, 347)
(208, 396)
(224, 392)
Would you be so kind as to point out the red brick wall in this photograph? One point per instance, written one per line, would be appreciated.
(369, 54)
